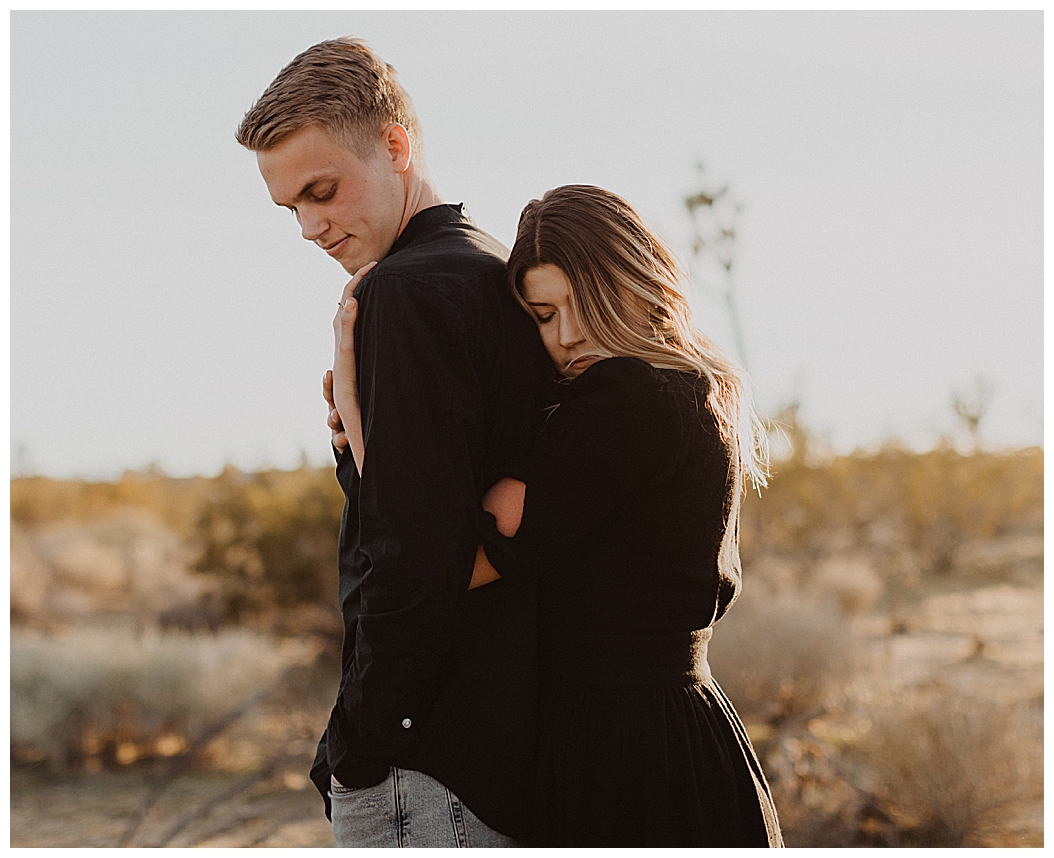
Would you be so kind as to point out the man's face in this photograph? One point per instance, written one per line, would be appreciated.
(349, 207)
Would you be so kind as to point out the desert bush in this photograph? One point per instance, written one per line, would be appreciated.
(949, 763)
(125, 563)
(114, 695)
(850, 580)
(933, 502)
(950, 498)
(271, 537)
(35, 500)
(267, 540)
(778, 656)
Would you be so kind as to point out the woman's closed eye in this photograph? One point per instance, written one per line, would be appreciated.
(542, 319)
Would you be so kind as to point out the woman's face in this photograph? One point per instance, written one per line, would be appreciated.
(546, 290)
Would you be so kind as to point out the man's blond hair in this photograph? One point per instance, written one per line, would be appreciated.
(340, 85)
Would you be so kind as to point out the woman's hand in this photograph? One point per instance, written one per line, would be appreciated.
(482, 571)
(336, 425)
(340, 387)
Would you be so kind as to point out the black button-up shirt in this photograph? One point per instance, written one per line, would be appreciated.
(437, 678)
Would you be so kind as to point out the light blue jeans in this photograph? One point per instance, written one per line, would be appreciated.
(407, 808)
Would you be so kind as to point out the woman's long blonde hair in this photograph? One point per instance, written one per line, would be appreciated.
(627, 291)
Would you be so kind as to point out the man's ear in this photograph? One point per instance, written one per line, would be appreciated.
(398, 147)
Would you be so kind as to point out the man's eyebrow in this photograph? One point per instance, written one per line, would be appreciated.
(303, 191)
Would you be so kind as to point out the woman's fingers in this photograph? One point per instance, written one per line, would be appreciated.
(333, 421)
(349, 312)
(327, 388)
(349, 287)
(344, 337)
(348, 307)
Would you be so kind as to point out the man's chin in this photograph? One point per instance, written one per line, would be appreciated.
(352, 265)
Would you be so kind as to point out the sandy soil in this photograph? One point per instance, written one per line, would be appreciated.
(988, 635)
(95, 811)
(254, 791)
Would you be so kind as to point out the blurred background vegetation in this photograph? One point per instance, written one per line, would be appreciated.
(886, 654)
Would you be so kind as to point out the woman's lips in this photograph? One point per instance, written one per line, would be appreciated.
(581, 363)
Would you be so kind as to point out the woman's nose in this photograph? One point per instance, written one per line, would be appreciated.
(570, 334)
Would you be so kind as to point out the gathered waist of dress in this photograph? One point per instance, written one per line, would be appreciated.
(669, 658)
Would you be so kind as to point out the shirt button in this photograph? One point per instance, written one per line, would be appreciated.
(407, 723)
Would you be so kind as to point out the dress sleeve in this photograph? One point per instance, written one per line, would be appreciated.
(417, 509)
(611, 437)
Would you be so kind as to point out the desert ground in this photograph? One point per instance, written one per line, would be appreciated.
(170, 677)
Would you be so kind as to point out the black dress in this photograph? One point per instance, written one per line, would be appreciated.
(627, 494)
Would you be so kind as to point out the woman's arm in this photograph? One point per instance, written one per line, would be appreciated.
(504, 500)
(615, 435)
(340, 386)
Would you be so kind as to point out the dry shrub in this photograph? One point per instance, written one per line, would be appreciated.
(950, 499)
(125, 562)
(781, 656)
(933, 502)
(112, 695)
(35, 500)
(851, 580)
(265, 543)
(271, 538)
(950, 764)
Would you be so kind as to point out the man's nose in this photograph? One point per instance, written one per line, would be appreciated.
(312, 226)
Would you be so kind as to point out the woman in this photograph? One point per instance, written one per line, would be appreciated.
(630, 520)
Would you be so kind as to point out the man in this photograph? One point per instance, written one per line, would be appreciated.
(430, 741)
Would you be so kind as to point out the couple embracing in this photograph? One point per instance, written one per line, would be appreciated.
(543, 461)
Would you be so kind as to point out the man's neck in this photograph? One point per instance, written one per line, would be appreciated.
(421, 194)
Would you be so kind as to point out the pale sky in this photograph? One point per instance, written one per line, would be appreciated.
(890, 240)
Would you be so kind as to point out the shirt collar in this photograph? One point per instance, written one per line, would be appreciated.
(428, 220)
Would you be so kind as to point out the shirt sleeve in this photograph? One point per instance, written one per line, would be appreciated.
(611, 437)
(417, 509)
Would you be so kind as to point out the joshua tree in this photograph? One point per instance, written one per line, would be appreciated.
(971, 406)
(713, 213)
